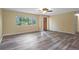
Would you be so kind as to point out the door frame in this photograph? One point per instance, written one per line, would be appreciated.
(45, 23)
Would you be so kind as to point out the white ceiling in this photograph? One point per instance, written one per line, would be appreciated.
(36, 10)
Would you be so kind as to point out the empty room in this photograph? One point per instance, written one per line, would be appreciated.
(39, 29)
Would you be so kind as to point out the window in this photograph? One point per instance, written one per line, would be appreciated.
(20, 20)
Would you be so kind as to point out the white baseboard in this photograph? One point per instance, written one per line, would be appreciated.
(64, 32)
(35, 31)
(18, 33)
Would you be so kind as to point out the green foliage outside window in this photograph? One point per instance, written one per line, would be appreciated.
(25, 20)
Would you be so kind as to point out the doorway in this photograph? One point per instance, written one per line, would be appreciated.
(77, 24)
(45, 23)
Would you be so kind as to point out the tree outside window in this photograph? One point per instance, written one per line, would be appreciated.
(20, 20)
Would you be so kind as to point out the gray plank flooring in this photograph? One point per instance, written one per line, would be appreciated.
(46, 40)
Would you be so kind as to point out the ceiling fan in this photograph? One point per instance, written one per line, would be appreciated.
(45, 10)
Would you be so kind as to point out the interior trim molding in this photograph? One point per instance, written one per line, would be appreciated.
(19, 33)
(63, 32)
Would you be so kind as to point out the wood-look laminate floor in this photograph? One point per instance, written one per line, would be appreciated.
(46, 40)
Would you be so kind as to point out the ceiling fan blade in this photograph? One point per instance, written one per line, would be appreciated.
(50, 11)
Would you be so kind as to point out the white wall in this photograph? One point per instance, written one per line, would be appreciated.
(0, 25)
(10, 27)
(62, 22)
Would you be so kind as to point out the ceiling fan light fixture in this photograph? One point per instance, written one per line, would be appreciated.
(44, 12)
(45, 9)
